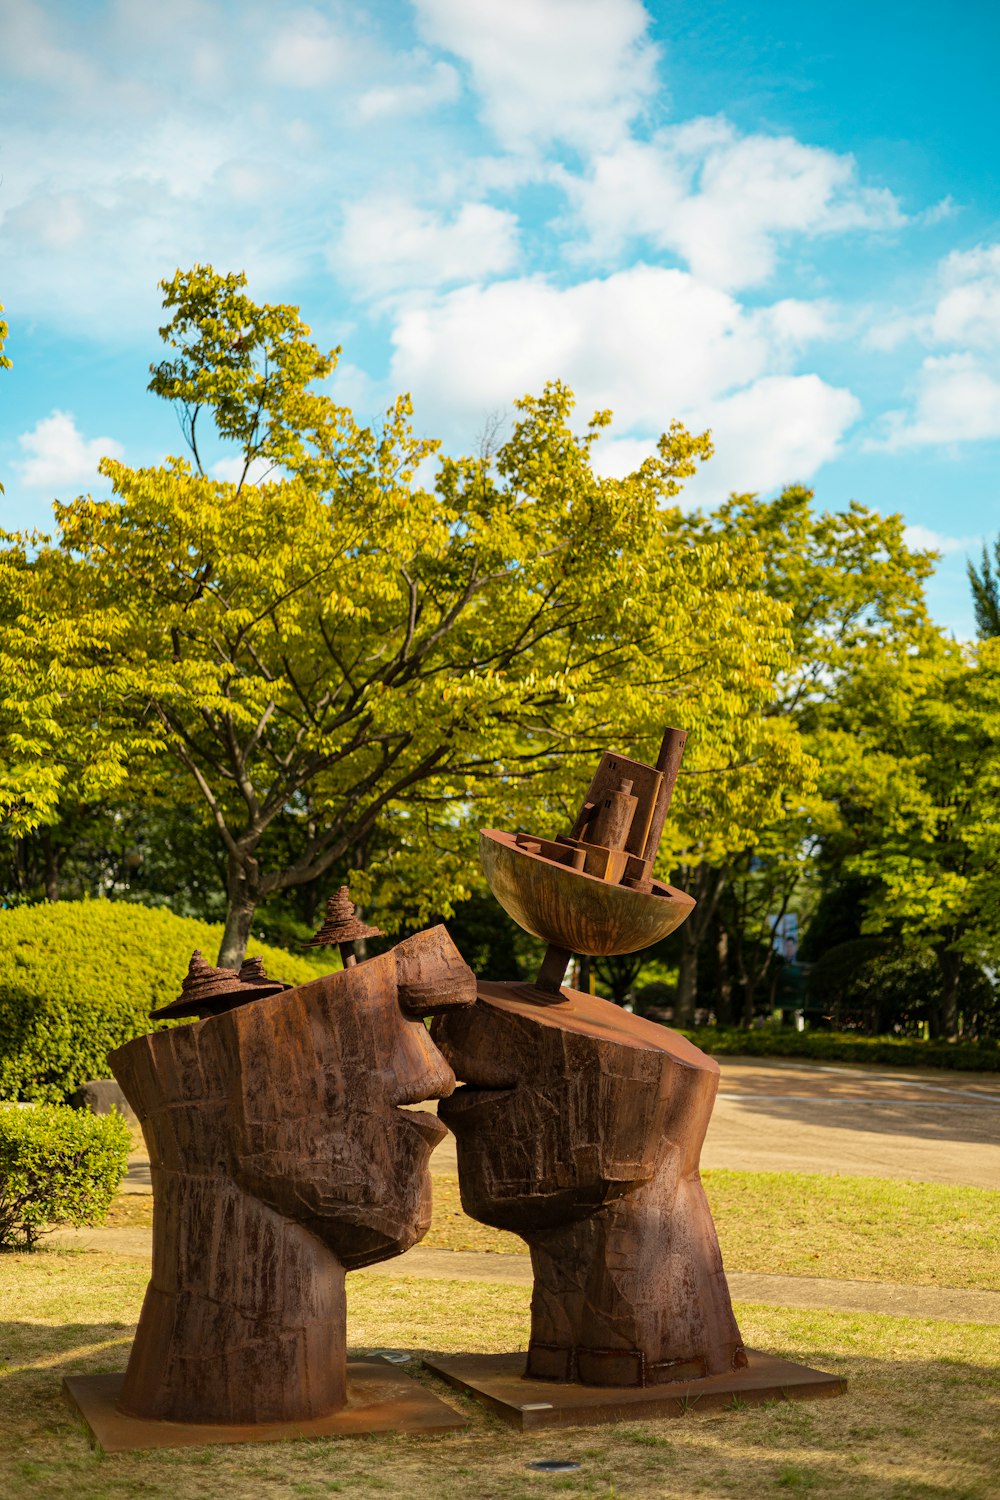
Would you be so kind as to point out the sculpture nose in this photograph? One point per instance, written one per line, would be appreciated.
(431, 975)
(420, 1072)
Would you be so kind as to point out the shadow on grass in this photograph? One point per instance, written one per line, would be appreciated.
(909, 1429)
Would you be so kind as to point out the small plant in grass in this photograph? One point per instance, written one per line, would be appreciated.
(57, 1166)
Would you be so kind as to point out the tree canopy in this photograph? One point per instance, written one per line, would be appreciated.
(337, 649)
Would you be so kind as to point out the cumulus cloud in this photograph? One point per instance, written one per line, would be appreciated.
(59, 456)
(955, 393)
(652, 344)
(925, 539)
(576, 71)
(720, 200)
(957, 400)
(390, 243)
(649, 342)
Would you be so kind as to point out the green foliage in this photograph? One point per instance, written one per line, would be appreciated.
(833, 1046)
(57, 1166)
(985, 585)
(346, 668)
(888, 987)
(920, 792)
(80, 978)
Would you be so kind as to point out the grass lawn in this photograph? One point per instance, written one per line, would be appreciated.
(919, 1423)
(792, 1223)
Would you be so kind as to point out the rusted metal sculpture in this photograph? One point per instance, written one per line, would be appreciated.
(281, 1158)
(580, 1128)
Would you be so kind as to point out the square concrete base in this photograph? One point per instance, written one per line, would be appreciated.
(379, 1399)
(496, 1380)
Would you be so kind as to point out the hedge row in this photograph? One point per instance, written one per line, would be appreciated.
(57, 1166)
(839, 1046)
(78, 978)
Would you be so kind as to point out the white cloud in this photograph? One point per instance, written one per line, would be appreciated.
(230, 470)
(307, 53)
(722, 201)
(957, 400)
(58, 455)
(389, 243)
(570, 70)
(968, 312)
(438, 84)
(925, 539)
(778, 431)
(648, 342)
(652, 344)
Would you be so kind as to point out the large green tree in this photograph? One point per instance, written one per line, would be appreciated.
(920, 791)
(853, 591)
(985, 584)
(335, 650)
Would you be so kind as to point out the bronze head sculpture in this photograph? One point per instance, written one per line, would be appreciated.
(580, 1126)
(282, 1157)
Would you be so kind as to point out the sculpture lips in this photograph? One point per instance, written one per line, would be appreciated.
(469, 1095)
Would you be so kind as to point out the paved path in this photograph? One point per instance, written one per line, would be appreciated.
(953, 1304)
(920, 1126)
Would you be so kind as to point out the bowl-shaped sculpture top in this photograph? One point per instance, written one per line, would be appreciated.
(573, 910)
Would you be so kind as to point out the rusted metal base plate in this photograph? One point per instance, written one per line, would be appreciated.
(379, 1399)
(496, 1380)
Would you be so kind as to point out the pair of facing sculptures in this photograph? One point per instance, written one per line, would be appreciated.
(285, 1152)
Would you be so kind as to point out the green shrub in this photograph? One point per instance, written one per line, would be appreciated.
(834, 1046)
(78, 978)
(57, 1166)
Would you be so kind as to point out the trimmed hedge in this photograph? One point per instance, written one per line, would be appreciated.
(78, 978)
(839, 1046)
(57, 1166)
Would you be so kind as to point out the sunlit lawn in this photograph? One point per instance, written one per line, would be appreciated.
(919, 1422)
(855, 1228)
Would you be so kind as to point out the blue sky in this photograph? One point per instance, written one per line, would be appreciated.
(776, 220)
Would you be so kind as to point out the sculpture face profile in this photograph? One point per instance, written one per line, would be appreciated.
(580, 1126)
(281, 1157)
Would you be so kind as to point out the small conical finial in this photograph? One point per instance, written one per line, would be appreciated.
(252, 973)
(342, 927)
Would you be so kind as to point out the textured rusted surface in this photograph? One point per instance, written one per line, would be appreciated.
(207, 991)
(342, 924)
(280, 1158)
(252, 973)
(580, 1128)
(379, 1399)
(497, 1381)
(575, 910)
(431, 975)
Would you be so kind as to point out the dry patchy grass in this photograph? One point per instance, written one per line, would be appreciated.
(919, 1422)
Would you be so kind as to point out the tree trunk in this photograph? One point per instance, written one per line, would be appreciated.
(949, 964)
(687, 977)
(51, 867)
(706, 886)
(243, 890)
(724, 982)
